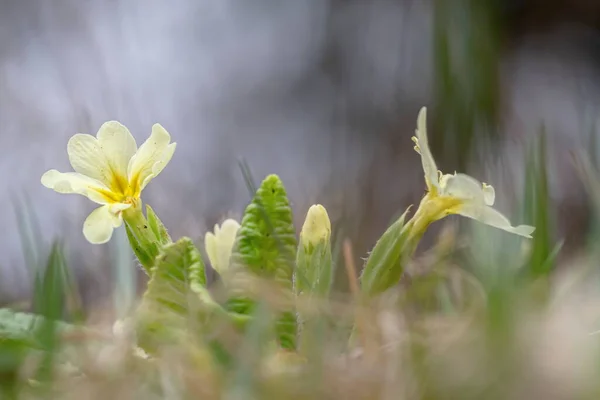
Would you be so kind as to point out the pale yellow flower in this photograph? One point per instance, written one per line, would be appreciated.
(110, 170)
(219, 244)
(457, 193)
(317, 226)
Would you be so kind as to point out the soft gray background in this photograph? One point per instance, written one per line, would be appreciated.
(324, 93)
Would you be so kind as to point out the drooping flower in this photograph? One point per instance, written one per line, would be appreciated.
(219, 244)
(457, 193)
(110, 170)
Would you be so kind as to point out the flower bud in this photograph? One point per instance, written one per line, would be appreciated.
(317, 227)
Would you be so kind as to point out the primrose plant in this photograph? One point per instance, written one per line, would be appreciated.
(112, 171)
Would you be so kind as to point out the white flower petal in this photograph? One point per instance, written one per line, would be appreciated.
(210, 245)
(99, 225)
(225, 242)
(219, 244)
(429, 166)
(462, 187)
(73, 182)
(228, 232)
(87, 158)
(116, 208)
(489, 194)
(118, 146)
(492, 217)
(154, 151)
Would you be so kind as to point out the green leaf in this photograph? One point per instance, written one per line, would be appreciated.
(172, 273)
(245, 375)
(266, 241)
(157, 226)
(265, 245)
(177, 297)
(385, 264)
(166, 304)
(50, 297)
(24, 327)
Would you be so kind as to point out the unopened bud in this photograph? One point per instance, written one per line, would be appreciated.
(317, 227)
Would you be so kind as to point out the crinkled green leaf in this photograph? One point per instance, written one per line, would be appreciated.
(265, 245)
(166, 302)
(171, 276)
(266, 241)
(176, 291)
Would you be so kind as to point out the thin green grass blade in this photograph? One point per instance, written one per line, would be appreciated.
(543, 252)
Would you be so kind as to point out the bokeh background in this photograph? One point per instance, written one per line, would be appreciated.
(324, 93)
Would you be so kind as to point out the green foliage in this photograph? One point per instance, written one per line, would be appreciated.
(171, 295)
(314, 272)
(21, 333)
(24, 327)
(537, 211)
(265, 246)
(176, 269)
(145, 257)
(146, 235)
(177, 299)
(266, 241)
(387, 260)
(466, 38)
(157, 227)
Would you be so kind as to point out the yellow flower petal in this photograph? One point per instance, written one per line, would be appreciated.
(99, 225)
(462, 187)
(151, 158)
(429, 166)
(492, 217)
(72, 182)
(160, 164)
(118, 146)
(87, 158)
(220, 244)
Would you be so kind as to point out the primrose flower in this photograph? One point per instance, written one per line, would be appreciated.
(219, 244)
(110, 170)
(457, 193)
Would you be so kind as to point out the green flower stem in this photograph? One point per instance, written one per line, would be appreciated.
(387, 260)
(142, 239)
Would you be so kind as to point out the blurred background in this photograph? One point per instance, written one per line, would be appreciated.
(324, 93)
